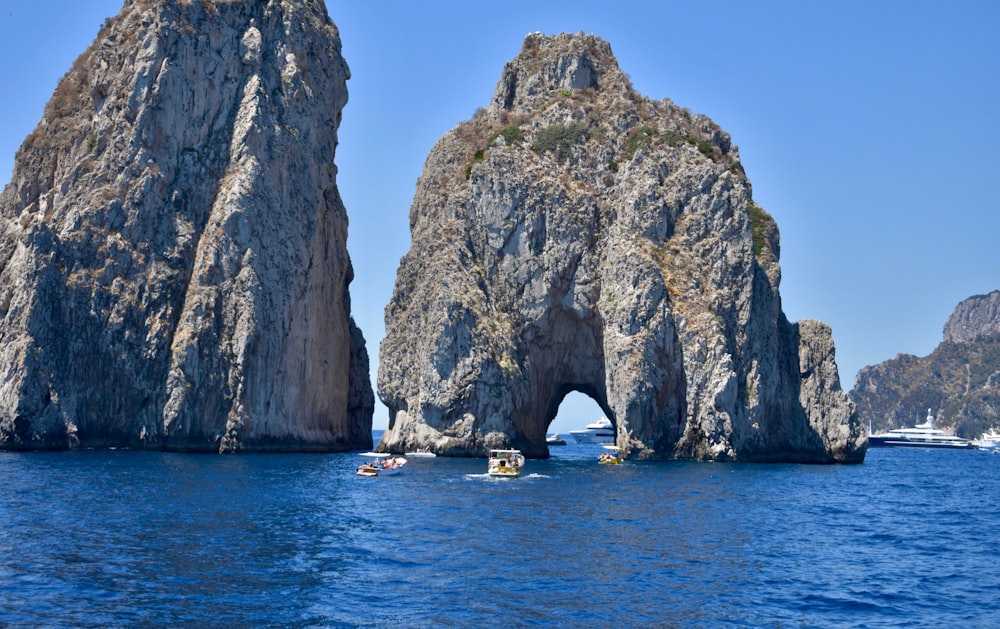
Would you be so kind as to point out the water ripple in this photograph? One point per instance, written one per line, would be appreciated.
(121, 538)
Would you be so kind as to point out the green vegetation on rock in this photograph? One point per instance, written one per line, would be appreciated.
(511, 134)
(642, 135)
(761, 224)
(560, 139)
(637, 138)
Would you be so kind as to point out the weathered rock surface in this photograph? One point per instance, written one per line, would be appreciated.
(959, 380)
(577, 236)
(173, 262)
(976, 316)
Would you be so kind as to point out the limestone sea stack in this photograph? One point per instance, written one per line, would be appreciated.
(173, 263)
(577, 236)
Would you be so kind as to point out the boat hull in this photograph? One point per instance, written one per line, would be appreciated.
(505, 472)
(891, 442)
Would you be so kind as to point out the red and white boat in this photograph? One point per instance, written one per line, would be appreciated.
(381, 464)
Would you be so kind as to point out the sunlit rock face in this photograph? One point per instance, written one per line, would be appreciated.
(576, 236)
(173, 262)
(974, 317)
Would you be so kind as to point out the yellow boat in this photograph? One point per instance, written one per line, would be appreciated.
(611, 456)
(505, 463)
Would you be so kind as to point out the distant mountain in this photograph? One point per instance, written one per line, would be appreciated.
(959, 380)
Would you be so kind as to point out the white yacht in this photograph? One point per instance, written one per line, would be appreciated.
(989, 440)
(923, 435)
(600, 431)
(555, 440)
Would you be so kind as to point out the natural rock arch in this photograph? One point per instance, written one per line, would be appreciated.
(577, 236)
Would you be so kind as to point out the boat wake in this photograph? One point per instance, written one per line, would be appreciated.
(501, 478)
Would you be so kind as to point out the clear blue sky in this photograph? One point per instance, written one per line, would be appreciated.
(870, 131)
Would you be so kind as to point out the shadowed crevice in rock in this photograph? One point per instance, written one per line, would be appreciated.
(576, 236)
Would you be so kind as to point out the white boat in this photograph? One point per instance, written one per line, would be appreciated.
(381, 464)
(505, 463)
(555, 440)
(989, 440)
(923, 435)
(422, 453)
(600, 431)
(612, 455)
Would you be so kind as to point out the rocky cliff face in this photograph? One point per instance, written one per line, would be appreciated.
(959, 380)
(577, 236)
(974, 317)
(173, 262)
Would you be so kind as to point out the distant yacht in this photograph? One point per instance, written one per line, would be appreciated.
(989, 440)
(923, 435)
(600, 431)
(555, 440)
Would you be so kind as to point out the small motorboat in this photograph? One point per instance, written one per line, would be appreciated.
(612, 455)
(505, 463)
(555, 440)
(381, 464)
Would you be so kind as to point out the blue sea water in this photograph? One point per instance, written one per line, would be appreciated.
(121, 538)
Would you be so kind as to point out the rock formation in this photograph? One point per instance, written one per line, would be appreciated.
(976, 316)
(173, 263)
(959, 380)
(576, 236)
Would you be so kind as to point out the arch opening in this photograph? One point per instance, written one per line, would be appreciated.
(573, 407)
